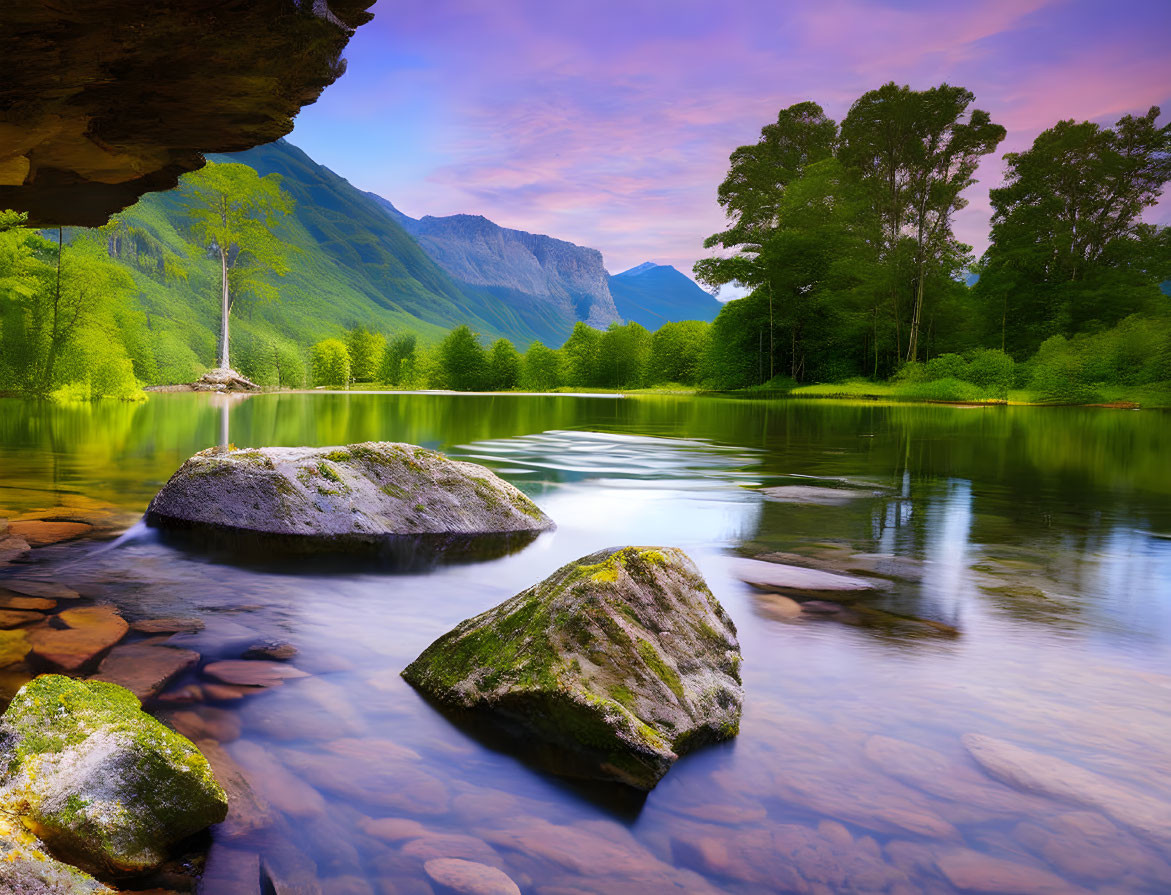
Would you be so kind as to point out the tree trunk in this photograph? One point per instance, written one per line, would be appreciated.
(913, 337)
(225, 309)
(51, 358)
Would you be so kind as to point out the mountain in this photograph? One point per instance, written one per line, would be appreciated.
(653, 294)
(351, 263)
(550, 283)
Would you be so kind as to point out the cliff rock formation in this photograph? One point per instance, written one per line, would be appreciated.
(104, 100)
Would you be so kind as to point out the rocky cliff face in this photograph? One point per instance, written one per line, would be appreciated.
(522, 268)
(104, 100)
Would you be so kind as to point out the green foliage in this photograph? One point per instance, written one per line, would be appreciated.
(463, 361)
(1069, 250)
(543, 368)
(66, 324)
(331, 363)
(946, 388)
(624, 354)
(366, 349)
(232, 212)
(1135, 353)
(582, 353)
(504, 366)
(677, 351)
(398, 360)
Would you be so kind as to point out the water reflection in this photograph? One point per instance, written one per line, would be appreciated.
(1035, 532)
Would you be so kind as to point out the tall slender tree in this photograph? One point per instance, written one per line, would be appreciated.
(752, 194)
(918, 151)
(233, 211)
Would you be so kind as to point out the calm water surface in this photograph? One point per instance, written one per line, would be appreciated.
(1042, 536)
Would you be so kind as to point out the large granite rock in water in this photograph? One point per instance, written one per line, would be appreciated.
(622, 661)
(357, 496)
(105, 786)
(104, 100)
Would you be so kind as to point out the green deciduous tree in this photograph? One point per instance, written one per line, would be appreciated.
(543, 368)
(1069, 250)
(463, 361)
(504, 366)
(582, 354)
(330, 360)
(916, 152)
(677, 350)
(233, 211)
(398, 360)
(366, 350)
(624, 356)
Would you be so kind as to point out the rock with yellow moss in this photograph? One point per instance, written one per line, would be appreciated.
(104, 786)
(610, 668)
(25, 868)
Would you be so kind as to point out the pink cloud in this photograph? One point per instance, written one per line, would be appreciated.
(610, 123)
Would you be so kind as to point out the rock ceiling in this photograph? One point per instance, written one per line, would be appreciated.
(104, 100)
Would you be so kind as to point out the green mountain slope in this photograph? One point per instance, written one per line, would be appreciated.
(350, 264)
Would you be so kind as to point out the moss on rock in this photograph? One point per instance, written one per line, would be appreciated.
(104, 785)
(342, 495)
(623, 658)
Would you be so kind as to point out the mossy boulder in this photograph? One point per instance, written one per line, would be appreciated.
(338, 497)
(25, 868)
(621, 661)
(105, 786)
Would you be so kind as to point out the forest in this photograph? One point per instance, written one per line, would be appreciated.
(841, 231)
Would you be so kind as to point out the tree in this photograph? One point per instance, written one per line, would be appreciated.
(677, 350)
(398, 360)
(917, 151)
(463, 362)
(365, 349)
(751, 196)
(542, 368)
(624, 354)
(233, 211)
(1069, 250)
(582, 353)
(504, 363)
(331, 363)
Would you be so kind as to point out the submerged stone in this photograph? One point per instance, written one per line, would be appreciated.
(77, 636)
(376, 494)
(105, 786)
(621, 661)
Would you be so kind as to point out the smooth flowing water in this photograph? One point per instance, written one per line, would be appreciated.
(1024, 563)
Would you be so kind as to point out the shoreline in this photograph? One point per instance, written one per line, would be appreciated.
(880, 395)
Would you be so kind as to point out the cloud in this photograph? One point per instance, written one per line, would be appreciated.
(610, 123)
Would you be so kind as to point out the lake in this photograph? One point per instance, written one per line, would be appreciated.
(1022, 558)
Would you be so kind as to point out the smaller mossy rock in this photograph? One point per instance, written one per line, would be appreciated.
(357, 494)
(105, 786)
(622, 660)
(25, 868)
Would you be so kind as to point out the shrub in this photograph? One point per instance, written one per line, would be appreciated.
(912, 371)
(1060, 374)
(991, 370)
(331, 363)
(946, 366)
(947, 389)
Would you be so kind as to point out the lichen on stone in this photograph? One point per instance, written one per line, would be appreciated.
(342, 495)
(623, 657)
(104, 785)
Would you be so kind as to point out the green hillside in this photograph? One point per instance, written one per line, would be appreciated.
(350, 264)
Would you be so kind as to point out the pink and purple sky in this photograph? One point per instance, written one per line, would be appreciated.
(609, 123)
